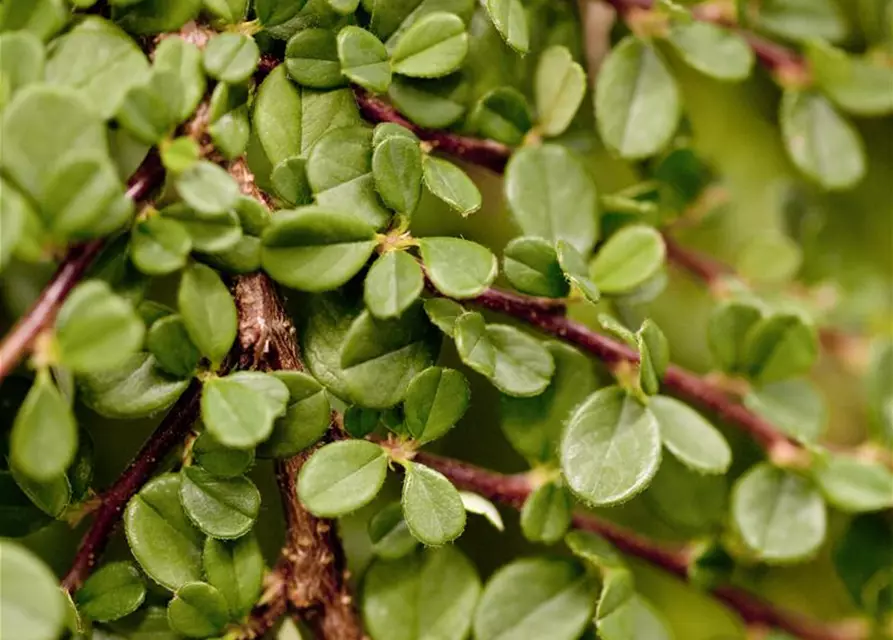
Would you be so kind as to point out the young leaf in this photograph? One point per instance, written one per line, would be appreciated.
(452, 185)
(560, 84)
(458, 268)
(239, 409)
(208, 312)
(236, 569)
(510, 20)
(502, 114)
(162, 539)
(779, 516)
(546, 515)
(727, 331)
(342, 477)
(629, 258)
(694, 441)
(569, 213)
(393, 284)
(434, 46)
(429, 594)
(436, 399)
(781, 346)
(479, 505)
(389, 534)
(536, 598)
(311, 58)
(821, 142)
(531, 265)
(197, 610)
(364, 59)
(231, 57)
(221, 461)
(306, 418)
(576, 272)
(174, 352)
(856, 85)
(432, 507)
(714, 51)
(159, 245)
(397, 170)
(35, 609)
(117, 589)
(611, 448)
(44, 437)
(443, 313)
(635, 618)
(854, 486)
(223, 508)
(637, 103)
(654, 353)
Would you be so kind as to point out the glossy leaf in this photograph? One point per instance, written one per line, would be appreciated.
(560, 84)
(458, 268)
(197, 610)
(168, 340)
(35, 609)
(433, 103)
(436, 400)
(114, 591)
(629, 258)
(432, 507)
(364, 59)
(385, 130)
(218, 460)
(853, 485)
(276, 12)
(546, 515)
(50, 496)
(452, 185)
(393, 284)
(397, 170)
(311, 58)
(208, 312)
(223, 508)
(473, 343)
(531, 265)
(611, 448)
(713, 50)
(239, 410)
(432, 47)
(510, 20)
(236, 569)
(691, 439)
(342, 477)
(306, 417)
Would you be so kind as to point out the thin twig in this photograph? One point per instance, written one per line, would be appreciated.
(73, 267)
(513, 490)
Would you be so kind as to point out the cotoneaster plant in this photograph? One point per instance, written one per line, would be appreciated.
(331, 261)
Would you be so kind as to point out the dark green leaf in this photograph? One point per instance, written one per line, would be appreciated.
(231, 57)
(157, 16)
(114, 591)
(342, 477)
(694, 441)
(576, 271)
(531, 265)
(780, 346)
(359, 422)
(560, 86)
(628, 259)
(159, 245)
(432, 506)
(552, 196)
(35, 609)
(430, 103)
(208, 312)
(397, 170)
(713, 50)
(311, 58)
(236, 569)
(435, 401)
(219, 460)
(510, 20)
(239, 410)
(224, 508)
(50, 496)
(869, 582)
(452, 185)
(393, 284)
(434, 46)
(174, 351)
(306, 418)
(389, 534)
(611, 448)
(210, 234)
(19, 516)
(853, 485)
(276, 12)
(458, 268)
(198, 610)
(289, 179)
(161, 537)
(727, 331)
(502, 114)
(364, 59)
(675, 480)
(546, 515)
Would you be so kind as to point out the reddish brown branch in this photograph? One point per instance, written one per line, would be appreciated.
(76, 262)
(513, 490)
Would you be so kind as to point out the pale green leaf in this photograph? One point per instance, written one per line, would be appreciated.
(560, 84)
(691, 439)
(432, 507)
(458, 268)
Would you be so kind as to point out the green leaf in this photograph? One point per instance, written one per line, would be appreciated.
(523, 366)
(727, 330)
(510, 20)
(231, 57)
(502, 114)
(820, 142)
(635, 618)
(157, 16)
(714, 51)
(117, 589)
(576, 271)
(50, 496)
(179, 154)
(780, 346)
(168, 340)
(629, 258)
(425, 596)
(161, 537)
(315, 249)
(231, 133)
(637, 103)
(150, 109)
(552, 196)
(236, 569)
(385, 130)
(531, 265)
(21, 516)
(432, 506)
(213, 234)
(443, 313)
(339, 171)
(228, 11)
(533, 426)
(694, 441)
(479, 505)
(434, 46)
(611, 448)
(224, 508)
(208, 312)
(794, 406)
(35, 609)
(197, 610)
(184, 60)
(342, 477)
(22, 60)
(360, 422)
(452, 185)
(239, 409)
(853, 485)
(458, 268)
(878, 392)
(769, 258)
(389, 534)
(96, 329)
(253, 215)
(536, 598)
(473, 343)
(44, 437)
(435, 104)
(803, 19)
(306, 418)
(159, 245)
(15, 214)
(779, 516)
(855, 84)
(136, 389)
(364, 59)
(275, 12)
(393, 284)
(546, 515)
(207, 188)
(560, 84)
(43, 18)
(397, 171)
(219, 460)
(311, 58)
(700, 516)
(654, 354)
(33, 152)
(869, 582)
(436, 400)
